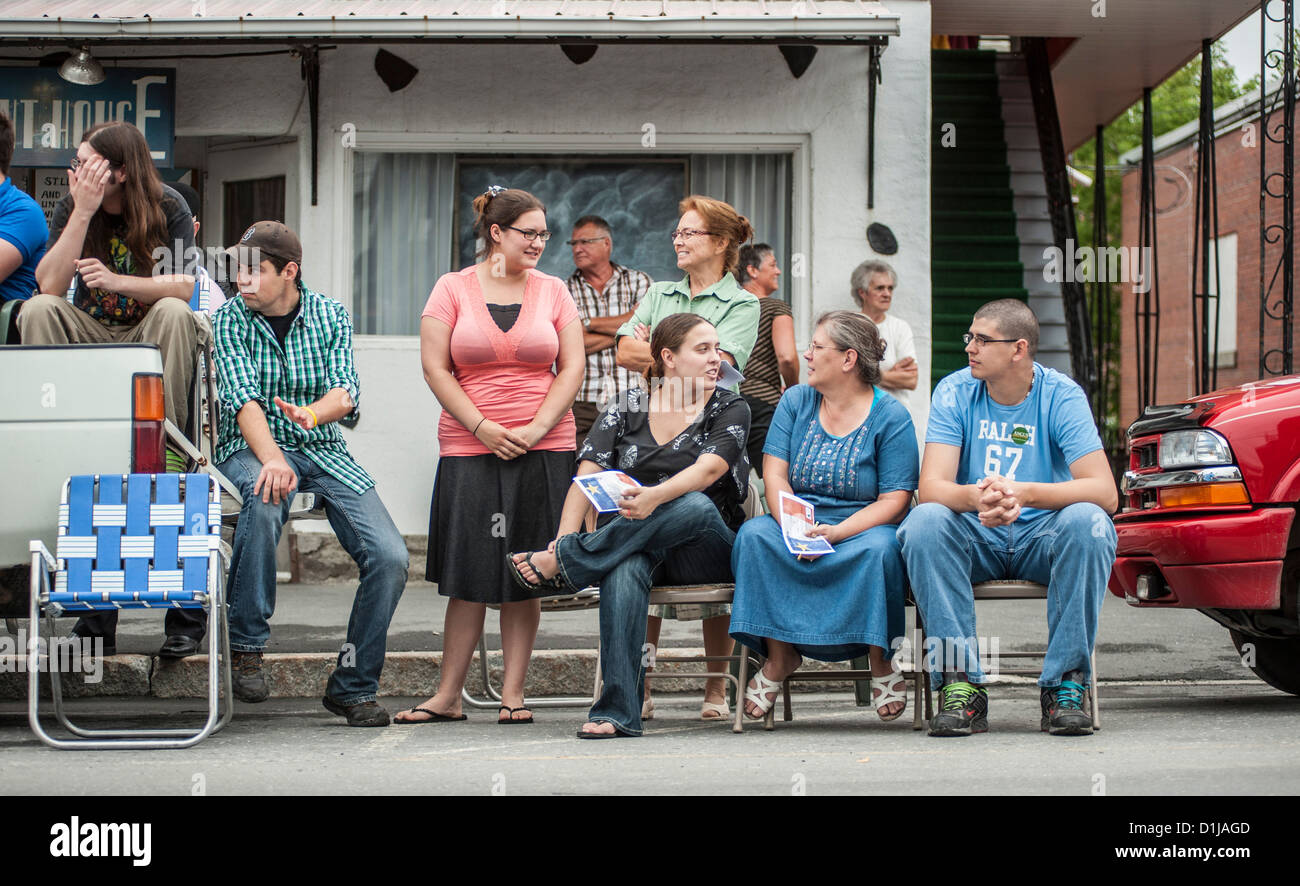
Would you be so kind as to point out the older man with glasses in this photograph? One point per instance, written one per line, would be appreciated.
(606, 294)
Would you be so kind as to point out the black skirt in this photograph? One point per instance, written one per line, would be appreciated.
(483, 508)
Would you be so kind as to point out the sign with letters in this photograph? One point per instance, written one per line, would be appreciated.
(50, 114)
(51, 187)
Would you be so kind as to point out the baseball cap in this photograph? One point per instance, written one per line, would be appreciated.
(272, 238)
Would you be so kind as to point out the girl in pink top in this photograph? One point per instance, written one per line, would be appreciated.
(502, 351)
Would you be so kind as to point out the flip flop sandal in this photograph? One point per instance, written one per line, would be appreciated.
(510, 720)
(889, 693)
(596, 735)
(711, 712)
(546, 584)
(434, 717)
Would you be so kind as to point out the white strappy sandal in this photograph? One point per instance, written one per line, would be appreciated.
(892, 687)
(758, 696)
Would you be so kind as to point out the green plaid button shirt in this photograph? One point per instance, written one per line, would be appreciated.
(316, 358)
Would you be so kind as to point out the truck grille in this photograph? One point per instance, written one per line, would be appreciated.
(1144, 456)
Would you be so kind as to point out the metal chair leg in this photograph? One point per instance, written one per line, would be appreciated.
(494, 697)
(119, 739)
(738, 725)
(1093, 693)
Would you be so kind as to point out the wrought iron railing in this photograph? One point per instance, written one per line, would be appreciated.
(1276, 189)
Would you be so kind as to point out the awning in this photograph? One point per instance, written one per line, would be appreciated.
(607, 21)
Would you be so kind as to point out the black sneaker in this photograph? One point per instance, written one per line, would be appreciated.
(366, 713)
(247, 678)
(1063, 710)
(963, 709)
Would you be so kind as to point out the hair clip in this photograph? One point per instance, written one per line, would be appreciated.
(494, 190)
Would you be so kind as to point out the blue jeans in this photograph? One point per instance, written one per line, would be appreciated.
(683, 541)
(1070, 550)
(366, 532)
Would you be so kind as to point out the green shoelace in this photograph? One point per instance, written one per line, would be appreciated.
(956, 695)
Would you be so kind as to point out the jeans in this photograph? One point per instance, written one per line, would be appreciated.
(1070, 550)
(192, 623)
(366, 532)
(684, 541)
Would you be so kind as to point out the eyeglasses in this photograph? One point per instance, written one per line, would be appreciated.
(813, 346)
(585, 241)
(687, 233)
(530, 235)
(77, 163)
(982, 340)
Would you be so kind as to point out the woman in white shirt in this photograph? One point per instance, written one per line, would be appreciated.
(873, 284)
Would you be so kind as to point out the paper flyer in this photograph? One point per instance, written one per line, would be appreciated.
(729, 376)
(604, 488)
(796, 522)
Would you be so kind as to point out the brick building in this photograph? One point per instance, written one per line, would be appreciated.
(1238, 144)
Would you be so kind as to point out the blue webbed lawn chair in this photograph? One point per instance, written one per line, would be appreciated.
(158, 546)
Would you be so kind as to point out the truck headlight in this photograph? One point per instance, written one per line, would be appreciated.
(1189, 449)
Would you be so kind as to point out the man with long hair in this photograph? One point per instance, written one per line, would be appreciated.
(124, 237)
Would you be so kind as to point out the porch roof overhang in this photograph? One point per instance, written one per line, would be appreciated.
(120, 22)
(1112, 58)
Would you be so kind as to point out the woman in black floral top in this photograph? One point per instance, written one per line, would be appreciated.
(677, 528)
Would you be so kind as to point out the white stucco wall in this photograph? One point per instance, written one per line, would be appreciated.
(522, 91)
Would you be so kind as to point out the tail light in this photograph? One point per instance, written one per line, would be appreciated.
(147, 433)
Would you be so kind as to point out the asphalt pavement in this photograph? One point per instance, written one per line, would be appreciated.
(1166, 738)
(1180, 715)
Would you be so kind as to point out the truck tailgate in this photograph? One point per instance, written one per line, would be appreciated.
(64, 410)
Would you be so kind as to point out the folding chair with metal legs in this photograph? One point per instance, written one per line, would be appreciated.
(588, 598)
(1015, 589)
(160, 548)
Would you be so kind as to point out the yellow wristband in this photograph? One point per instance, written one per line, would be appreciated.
(314, 420)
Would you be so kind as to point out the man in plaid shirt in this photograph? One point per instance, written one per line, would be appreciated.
(606, 294)
(285, 377)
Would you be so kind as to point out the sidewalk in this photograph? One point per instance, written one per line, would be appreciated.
(309, 624)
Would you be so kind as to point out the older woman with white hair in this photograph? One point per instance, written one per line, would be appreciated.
(873, 283)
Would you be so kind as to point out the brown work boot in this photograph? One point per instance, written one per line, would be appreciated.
(248, 679)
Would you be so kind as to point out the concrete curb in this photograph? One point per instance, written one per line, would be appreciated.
(304, 675)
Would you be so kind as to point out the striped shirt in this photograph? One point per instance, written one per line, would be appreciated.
(316, 358)
(605, 379)
(762, 373)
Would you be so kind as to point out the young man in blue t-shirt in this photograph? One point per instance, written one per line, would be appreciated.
(22, 231)
(1014, 485)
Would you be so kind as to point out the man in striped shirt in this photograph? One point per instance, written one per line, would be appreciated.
(606, 295)
(285, 378)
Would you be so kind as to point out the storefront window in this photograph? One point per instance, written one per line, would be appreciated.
(412, 215)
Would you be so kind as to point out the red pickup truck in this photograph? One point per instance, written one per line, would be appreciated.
(1208, 518)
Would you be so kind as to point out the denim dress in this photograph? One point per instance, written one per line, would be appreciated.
(834, 607)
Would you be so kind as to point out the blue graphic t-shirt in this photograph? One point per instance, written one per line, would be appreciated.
(1034, 441)
(22, 224)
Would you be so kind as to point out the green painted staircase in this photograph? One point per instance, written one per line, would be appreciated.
(975, 254)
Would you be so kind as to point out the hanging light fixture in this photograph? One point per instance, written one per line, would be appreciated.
(82, 69)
